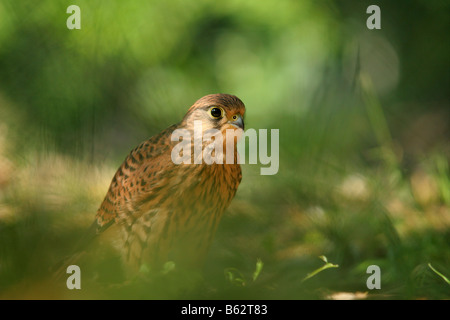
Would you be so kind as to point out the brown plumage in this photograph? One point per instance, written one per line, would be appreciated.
(169, 211)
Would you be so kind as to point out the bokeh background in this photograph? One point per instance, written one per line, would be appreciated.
(363, 118)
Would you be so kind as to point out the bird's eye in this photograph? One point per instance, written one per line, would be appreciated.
(235, 117)
(216, 112)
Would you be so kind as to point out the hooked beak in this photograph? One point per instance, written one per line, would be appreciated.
(238, 123)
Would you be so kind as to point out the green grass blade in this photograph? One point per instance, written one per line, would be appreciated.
(439, 274)
(259, 267)
(327, 265)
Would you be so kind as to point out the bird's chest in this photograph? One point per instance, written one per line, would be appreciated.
(185, 221)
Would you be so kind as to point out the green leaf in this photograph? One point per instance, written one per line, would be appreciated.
(144, 269)
(168, 267)
(259, 267)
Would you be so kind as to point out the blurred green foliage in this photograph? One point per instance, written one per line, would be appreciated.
(364, 150)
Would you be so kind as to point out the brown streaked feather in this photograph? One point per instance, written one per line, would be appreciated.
(135, 178)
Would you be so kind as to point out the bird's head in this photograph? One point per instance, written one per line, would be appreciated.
(214, 123)
(216, 111)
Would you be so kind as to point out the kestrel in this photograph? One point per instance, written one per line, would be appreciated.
(170, 211)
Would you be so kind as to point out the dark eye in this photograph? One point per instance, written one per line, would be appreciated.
(216, 112)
